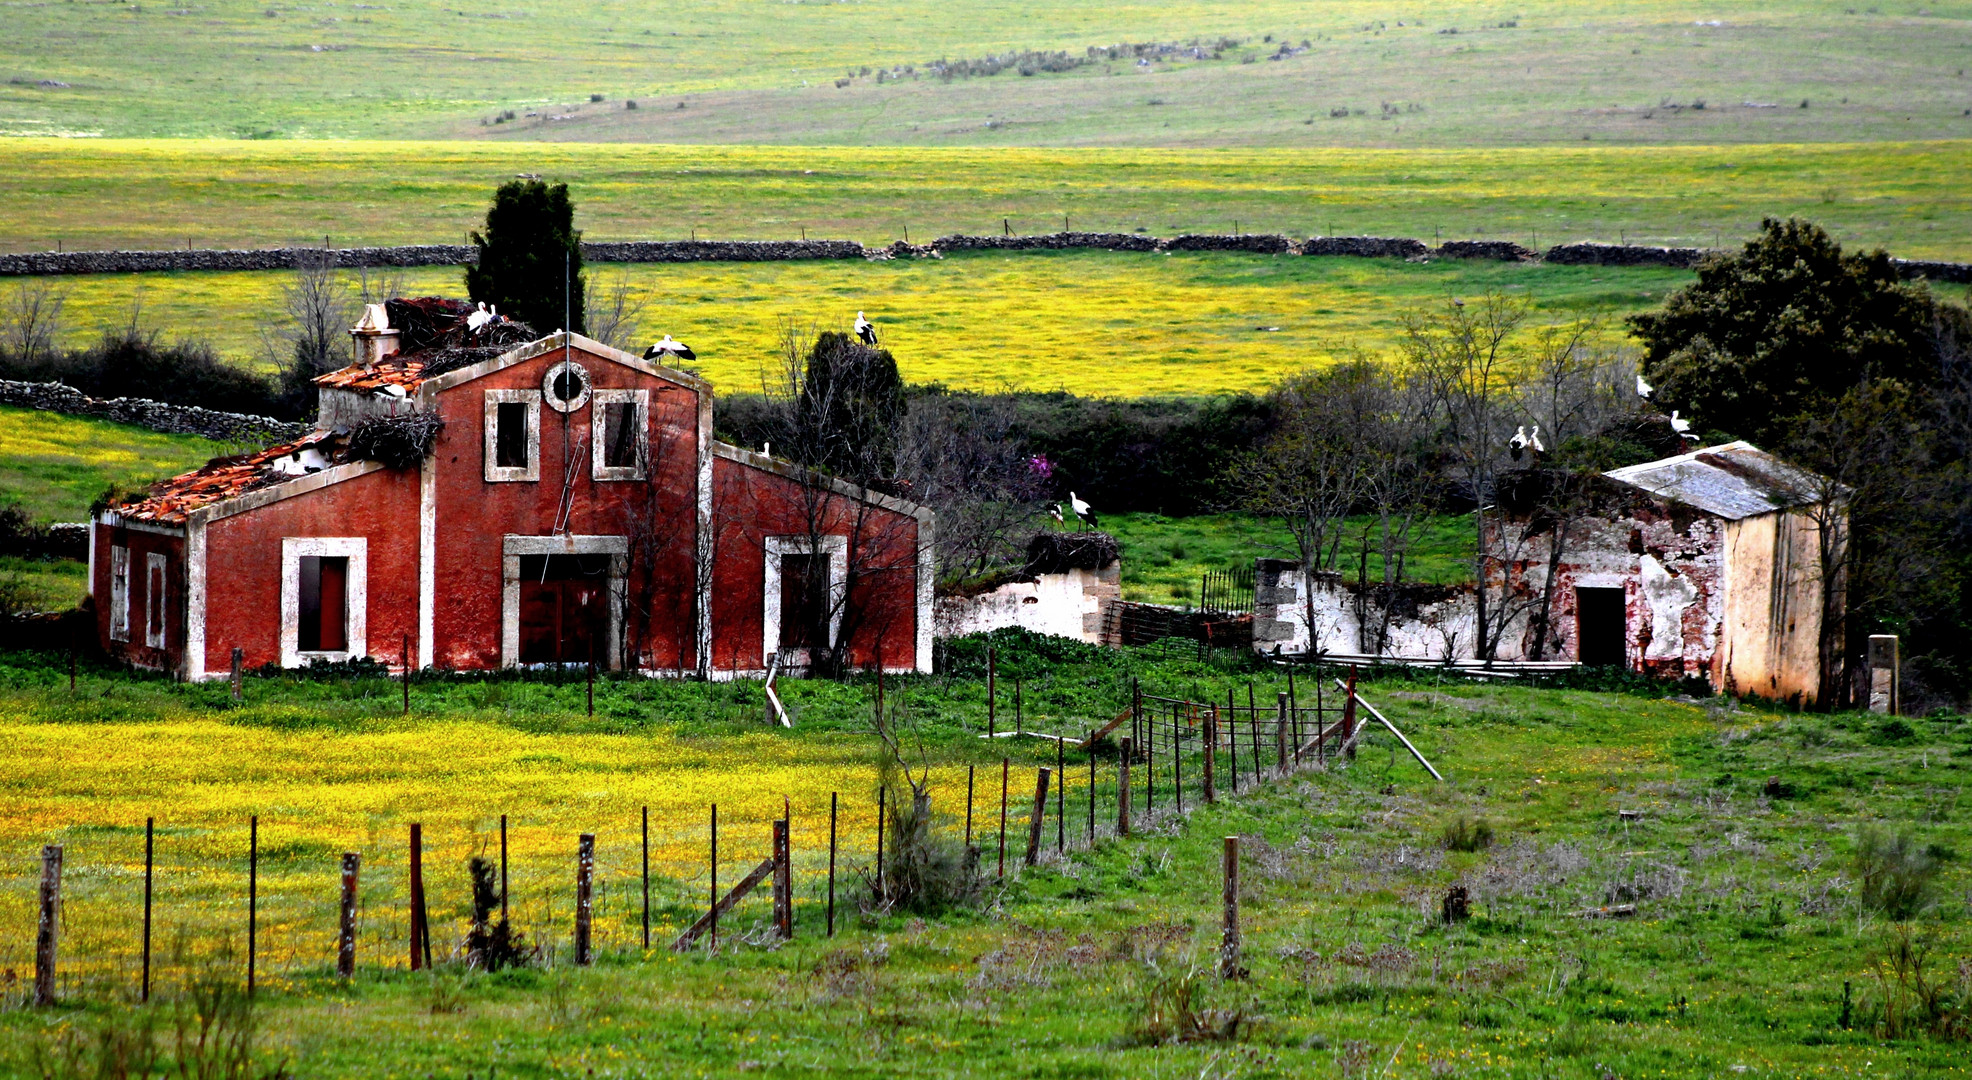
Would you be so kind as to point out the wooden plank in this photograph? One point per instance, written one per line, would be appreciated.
(1381, 719)
(704, 923)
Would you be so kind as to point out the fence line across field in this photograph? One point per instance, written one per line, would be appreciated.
(134, 903)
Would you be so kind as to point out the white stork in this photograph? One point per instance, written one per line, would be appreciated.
(477, 320)
(1534, 440)
(1518, 443)
(1082, 510)
(1682, 427)
(1054, 511)
(668, 349)
(865, 330)
(1644, 389)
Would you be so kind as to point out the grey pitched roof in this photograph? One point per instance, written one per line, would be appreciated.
(1734, 480)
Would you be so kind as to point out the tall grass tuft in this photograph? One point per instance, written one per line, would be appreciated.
(1895, 873)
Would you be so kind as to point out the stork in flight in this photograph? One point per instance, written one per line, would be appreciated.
(865, 330)
(668, 349)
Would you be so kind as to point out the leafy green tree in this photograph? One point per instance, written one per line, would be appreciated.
(530, 256)
(1783, 329)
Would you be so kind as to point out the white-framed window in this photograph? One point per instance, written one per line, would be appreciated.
(155, 606)
(324, 598)
(806, 582)
(619, 425)
(513, 435)
(119, 593)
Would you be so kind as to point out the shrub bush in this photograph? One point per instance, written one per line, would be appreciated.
(1895, 873)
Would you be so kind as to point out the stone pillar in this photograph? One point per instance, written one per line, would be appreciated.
(1884, 693)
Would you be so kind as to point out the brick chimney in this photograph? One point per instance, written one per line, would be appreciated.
(373, 337)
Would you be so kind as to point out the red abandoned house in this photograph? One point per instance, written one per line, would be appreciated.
(471, 501)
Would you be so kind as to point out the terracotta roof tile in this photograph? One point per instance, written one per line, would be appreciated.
(172, 501)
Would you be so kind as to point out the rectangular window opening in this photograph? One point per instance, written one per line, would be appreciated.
(324, 604)
(804, 601)
(154, 606)
(510, 435)
(620, 430)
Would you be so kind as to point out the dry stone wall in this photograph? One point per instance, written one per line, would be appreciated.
(155, 415)
(676, 251)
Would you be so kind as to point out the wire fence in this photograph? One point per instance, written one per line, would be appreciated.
(206, 880)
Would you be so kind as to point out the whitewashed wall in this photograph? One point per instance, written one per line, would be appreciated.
(1065, 605)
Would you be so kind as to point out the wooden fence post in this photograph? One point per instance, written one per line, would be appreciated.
(1061, 792)
(783, 884)
(253, 898)
(1123, 788)
(48, 931)
(503, 868)
(1090, 744)
(715, 877)
(646, 877)
(882, 811)
(346, 931)
(585, 893)
(1004, 766)
(149, 863)
(417, 896)
(831, 916)
(1280, 733)
(1229, 939)
(239, 672)
(992, 692)
(1211, 751)
(1039, 816)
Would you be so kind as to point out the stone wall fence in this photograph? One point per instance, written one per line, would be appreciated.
(674, 251)
(155, 415)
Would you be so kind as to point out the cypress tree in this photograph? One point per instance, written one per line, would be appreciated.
(529, 244)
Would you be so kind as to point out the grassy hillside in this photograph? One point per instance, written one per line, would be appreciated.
(54, 465)
(1737, 845)
(83, 194)
(1474, 73)
(1089, 322)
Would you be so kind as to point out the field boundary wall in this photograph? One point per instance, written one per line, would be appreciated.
(156, 415)
(48, 263)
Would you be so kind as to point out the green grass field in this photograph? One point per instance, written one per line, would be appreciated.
(1466, 74)
(1090, 322)
(1163, 557)
(54, 465)
(1736, 845)
(82, 194)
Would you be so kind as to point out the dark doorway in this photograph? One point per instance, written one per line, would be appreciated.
(324, 612)
(1599, 624)
(804, 603)
(564, 609)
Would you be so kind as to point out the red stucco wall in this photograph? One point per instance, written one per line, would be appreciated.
(141, 544)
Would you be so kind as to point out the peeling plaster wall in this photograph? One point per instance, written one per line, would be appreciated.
(1668, 560)
(1065, 605)
(1284, 621)
(1773, 596)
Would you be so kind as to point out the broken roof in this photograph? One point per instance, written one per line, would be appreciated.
(172, 501)
(1734, 480)
(436, 336)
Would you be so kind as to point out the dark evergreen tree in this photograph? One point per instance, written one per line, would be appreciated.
(1783, 329)
(849, 409)
(530, 256)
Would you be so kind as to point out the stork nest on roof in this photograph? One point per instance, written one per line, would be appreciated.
(399, 442)
(1060, 552)
(436, 330)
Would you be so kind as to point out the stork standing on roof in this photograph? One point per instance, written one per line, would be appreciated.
(1682, 427)
(668, 349)
(1082, 510)
(865, 331)
(1518, 444)
(1644, 389)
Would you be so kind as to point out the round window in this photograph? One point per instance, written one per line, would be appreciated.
(565, 386)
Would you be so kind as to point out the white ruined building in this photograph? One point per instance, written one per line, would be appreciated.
(1068, 583)
(1707, 565)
